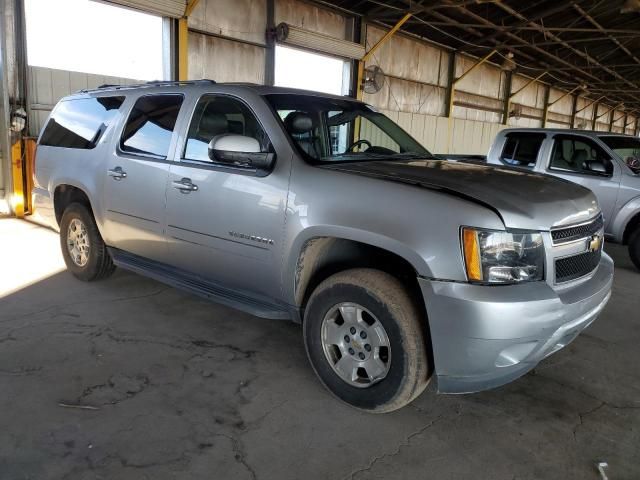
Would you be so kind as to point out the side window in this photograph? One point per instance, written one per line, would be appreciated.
(521, 149)
(150, 125)
(80, 123)
(579, 155)
(220, 115)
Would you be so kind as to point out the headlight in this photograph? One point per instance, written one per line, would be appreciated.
(502, 257)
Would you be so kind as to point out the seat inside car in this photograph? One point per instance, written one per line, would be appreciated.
(300, 125)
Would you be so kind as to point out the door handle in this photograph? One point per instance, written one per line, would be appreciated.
(185, 185)
(117, 173)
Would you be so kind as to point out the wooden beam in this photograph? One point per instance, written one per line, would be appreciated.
(183, 41)
(507, 97)
(545, 111)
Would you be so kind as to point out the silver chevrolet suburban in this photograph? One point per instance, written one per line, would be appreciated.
(298, 205)
(604, 162)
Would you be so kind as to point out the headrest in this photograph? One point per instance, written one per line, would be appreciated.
(579, 156)
(298, 122)
(213, 124)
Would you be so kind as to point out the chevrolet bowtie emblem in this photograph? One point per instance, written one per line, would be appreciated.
(595, 243)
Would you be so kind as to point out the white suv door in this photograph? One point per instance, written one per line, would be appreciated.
(225, 221)
(136, 177)
(581, 160)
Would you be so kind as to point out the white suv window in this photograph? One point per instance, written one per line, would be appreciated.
(579, 155)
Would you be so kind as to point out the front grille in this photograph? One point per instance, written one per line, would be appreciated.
(570, 268)
(569, 234)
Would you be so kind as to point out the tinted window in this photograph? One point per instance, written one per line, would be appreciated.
(623, 146)
(522, 149)
(150, 125)
(79, 123)
(579, 155)
(218, 115)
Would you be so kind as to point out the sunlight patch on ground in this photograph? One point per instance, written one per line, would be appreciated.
(28, 254)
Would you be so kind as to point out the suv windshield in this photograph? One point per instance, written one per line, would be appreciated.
(623, 146)
(627, 148)
(335, 130)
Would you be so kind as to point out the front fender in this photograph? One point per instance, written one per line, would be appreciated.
(624, 215)
(299, 244)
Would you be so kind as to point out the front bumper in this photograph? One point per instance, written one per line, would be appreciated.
(486, 336)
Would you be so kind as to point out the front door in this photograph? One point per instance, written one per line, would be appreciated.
(225, 222)
(136, 177)
(581, 160)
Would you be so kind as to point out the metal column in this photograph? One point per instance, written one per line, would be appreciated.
(5, 151)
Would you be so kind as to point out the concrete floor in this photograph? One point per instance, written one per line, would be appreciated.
(178, 388)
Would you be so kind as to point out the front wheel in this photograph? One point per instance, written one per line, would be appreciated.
(83, 249)
(634, 247)
(364, 338)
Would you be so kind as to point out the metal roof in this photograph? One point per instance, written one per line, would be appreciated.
(595, 43)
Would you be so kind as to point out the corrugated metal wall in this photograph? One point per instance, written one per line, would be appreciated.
(48, 85)
(227, 43)
(415, 89)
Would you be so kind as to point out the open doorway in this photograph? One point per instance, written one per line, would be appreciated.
(311, 71)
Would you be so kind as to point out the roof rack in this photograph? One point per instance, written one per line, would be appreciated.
(152, 83)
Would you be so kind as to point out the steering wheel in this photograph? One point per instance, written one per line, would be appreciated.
(357, 143)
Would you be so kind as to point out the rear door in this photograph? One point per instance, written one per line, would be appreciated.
(136, 177)
(224, 222)
(579, 159)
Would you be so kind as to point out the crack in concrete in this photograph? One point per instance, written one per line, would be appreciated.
(86, 302)
(126, 393)
(22, 371)
(180, 344)
(404, 443)
(581, 417)
(239, 453)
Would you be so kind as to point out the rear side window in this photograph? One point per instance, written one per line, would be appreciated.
(150, 125)
(79, 123)
(521, 149)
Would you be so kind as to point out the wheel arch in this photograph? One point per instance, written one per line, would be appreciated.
(632, 225)
(65, 194)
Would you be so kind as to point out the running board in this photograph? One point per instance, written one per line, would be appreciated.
(198, 286)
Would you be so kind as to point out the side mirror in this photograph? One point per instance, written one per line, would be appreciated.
(597, 167)
(239, 150)
(633, 163)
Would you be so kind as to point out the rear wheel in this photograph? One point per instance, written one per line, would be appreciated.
(634, 247)
(364, 338)
(83, 249)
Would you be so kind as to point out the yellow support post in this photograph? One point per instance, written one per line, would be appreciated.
(505, 121)
(183, 41)
(453, 92)
(590, 103)
(17, 174)
(564, 95)
(365, 57)
(371, 51)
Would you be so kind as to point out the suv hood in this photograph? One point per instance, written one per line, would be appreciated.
(523, 200)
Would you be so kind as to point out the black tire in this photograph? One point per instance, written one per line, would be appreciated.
(634, 247)
(387, 300)
(99, 264)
